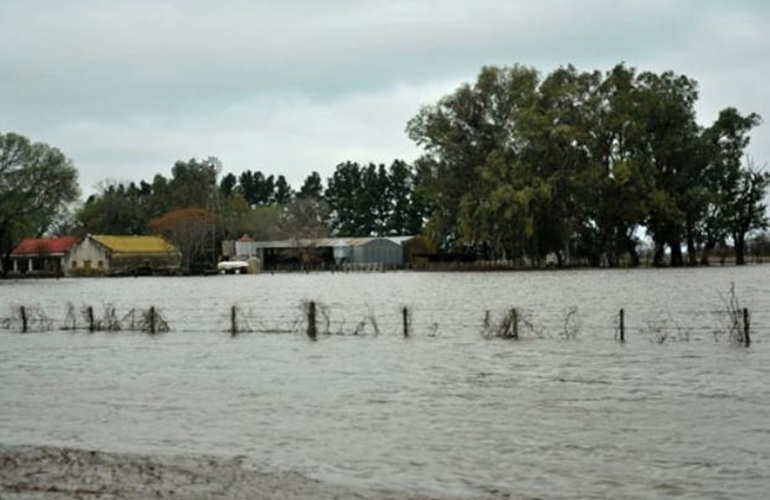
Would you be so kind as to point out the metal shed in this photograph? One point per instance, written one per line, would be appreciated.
(376, 251)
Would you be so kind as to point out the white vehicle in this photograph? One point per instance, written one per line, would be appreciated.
(233, 267)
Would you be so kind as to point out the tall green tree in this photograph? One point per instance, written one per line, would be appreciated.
(374, 200)
(407, 206)
(312, 187)
(282, 193)
(193, 183)
(228, 184)
(579, 165)
(475, 125)
(37, 184)
(669, 135)
(116, 209)
(342, 197)
(730, 185)
(747, 211)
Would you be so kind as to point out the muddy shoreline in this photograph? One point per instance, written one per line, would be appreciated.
(54, 473)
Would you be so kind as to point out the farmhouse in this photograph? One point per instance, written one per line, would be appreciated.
(122, 255)
(41, 256)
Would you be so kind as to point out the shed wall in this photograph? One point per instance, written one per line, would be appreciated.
(379, 251)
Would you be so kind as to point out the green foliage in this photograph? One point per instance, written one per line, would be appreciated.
(373, 200)
(577, 165)
(312, 187)
(118, 209)
(37, 184)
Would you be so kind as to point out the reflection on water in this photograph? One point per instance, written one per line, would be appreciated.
(443, 410)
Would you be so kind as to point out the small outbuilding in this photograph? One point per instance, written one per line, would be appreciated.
(327, 253)
(123, 255)
(41, 256)
(380, 251)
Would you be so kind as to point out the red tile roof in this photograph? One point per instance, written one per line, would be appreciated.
(44, 246)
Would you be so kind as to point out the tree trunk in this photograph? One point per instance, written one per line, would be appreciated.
(635, 260)
(705, 258)
(692, 257)
(740, 250)
(658, 254)
(676, 254)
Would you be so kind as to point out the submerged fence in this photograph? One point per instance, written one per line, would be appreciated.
(315, 320)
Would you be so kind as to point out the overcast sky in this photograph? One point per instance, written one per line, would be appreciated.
(126, 88)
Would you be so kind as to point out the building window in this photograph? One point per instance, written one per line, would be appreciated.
(100, 264)
(74, 264)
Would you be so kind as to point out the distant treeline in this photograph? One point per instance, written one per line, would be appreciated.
(576, 167)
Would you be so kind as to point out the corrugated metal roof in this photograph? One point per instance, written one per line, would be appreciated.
(44, 246)
(400, 239)
(135, 244)
(358, 242)
(323, 242)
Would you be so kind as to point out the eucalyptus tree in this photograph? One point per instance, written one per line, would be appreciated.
(471, 147)
(669, 138)
(747, 211)
(559, 149)
(194, 183)
(619, 174)
(732, 207)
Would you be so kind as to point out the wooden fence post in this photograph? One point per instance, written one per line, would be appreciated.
(24, 325)
(312, 329)
(622, 325)
(90, 312)
(152, 319)
(746, 336)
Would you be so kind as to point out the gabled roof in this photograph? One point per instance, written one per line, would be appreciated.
(44, 246)
(135, 244)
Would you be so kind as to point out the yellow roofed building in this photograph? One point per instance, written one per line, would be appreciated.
(97, 255)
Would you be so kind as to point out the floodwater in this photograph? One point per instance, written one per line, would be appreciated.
(566, 412)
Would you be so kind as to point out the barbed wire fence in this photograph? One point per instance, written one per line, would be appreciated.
(729, 322)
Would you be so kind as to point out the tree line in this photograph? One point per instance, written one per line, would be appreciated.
(196, 209)
(574, 166)
(581, 165)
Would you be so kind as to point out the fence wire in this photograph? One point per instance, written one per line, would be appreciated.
(365, 320)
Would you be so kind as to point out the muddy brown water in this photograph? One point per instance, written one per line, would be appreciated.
(675, 411)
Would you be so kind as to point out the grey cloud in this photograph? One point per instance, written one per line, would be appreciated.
(136, 85)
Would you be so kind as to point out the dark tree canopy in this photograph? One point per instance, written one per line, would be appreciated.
(37, 184)
(579, 165)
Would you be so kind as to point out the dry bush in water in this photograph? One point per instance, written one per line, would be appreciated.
(507, 326)
(571, 324)
(735, 320)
